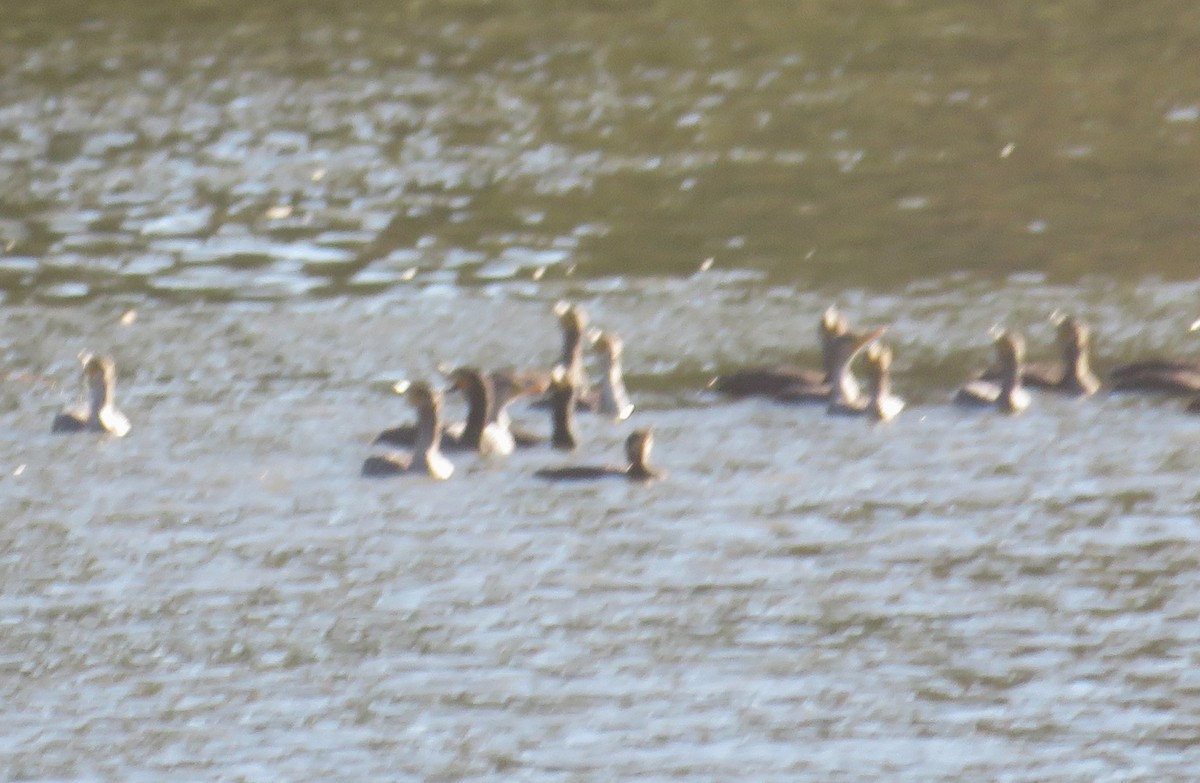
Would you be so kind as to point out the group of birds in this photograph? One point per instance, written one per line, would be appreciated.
(488, 427)
(1003, 385)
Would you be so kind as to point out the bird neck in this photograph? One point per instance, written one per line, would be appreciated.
(563, 434)
(1077, 367)
(838, 358)
(845, 389)
(572, 356)
(640, 468)
(479, 409)
(1010, 374)
(613, 397)
(881, 384)
(100, 394)
(429, 430)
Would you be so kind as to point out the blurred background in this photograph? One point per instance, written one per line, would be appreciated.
(268, 212)
(297, 148)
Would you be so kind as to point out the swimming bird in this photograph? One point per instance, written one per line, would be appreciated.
(486, 428)
(426, 456)
(880, 404)
(509, 386)
(562, 396)
(637, 451)
(614, 400)
(1006, 392)
(773, 380)
(98, 411)
(562, 416)
(1073, 373)
(841, 390)
(1170, 376)
(573, 321)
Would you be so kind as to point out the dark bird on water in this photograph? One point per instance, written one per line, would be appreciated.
(637, 452)
(486, 427)
(1006, 392)
(1167, 376)
(573, 323)
(841, 390)
(613, 400)
(426, 456)
(98, 410)
(562, 395)
(1072, 374)
(879, 402)
(774, 380)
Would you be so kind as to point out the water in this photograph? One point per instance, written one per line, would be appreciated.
(267, 215)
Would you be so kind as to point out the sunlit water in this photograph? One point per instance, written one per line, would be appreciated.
(268, 217)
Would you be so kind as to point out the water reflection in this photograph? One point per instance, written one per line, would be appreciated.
(868, 147)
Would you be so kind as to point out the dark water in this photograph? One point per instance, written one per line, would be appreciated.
(269, 213)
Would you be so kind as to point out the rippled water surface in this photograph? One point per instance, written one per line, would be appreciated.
(268, 214)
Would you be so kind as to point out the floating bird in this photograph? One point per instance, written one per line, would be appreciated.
(486, 428)
(841, 389)
(1073, 373)
(774, 380)
(573, 321)
(881, 405)
(562, 400)
(614, 400)
(426, 456)
(1006, 392)
(1169, 376)
(637, 451)
(98, 411)
(561, 395)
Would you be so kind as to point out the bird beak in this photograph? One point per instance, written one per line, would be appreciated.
(1195, 327)
(561, 308)
(400, 387)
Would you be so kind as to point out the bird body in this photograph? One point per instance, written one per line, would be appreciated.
(98, 412)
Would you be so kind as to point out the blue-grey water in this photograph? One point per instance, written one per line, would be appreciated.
(269, 213)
